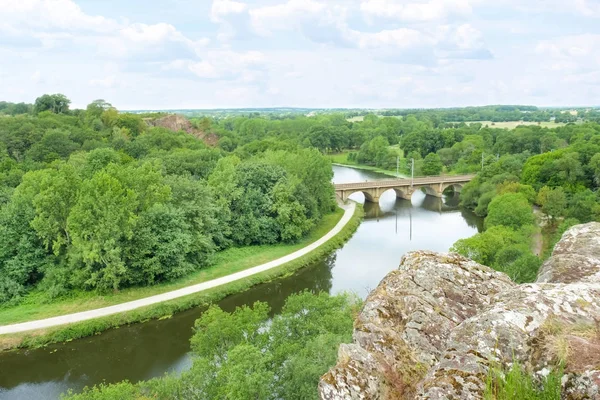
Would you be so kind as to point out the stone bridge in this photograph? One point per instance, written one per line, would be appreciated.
(404, 188)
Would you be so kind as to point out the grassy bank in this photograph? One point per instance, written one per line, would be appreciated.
(231, 261)
(226, 262)
(341, 159)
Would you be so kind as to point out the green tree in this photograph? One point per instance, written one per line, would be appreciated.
(432, 165)
(595, 167)
(484, 246)
(94, 111)
(553, 201)
(511, 210)
(58, 192)
(56, 103)
(133, 123)
(584, 206)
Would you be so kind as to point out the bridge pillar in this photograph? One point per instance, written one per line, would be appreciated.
(405, 192)
(437, 190)
(372, 195)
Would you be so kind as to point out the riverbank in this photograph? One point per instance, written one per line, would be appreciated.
(373, 169)
(210, 292)
(341, 159)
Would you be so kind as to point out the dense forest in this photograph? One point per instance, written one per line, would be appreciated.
(98, 200)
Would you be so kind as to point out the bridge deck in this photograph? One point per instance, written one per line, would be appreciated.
(404, 182)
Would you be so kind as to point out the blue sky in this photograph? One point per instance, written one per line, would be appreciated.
(305, 53)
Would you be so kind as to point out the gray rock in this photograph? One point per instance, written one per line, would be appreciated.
(406, 321)
(576, 257)
(433, 328)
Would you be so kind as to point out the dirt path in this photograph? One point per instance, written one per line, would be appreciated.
(132, 305)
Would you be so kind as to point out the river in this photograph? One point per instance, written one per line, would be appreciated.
(150, 349)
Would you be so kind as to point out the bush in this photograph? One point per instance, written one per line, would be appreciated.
(511, 210)
(517, 384)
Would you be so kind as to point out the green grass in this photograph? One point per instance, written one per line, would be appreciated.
(228, 263)
(342, 159)
(517, 384)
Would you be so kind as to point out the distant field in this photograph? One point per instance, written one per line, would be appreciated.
(360, 118)
(501, 125)
(514, 124)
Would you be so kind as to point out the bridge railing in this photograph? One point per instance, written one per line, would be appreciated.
(405, 182)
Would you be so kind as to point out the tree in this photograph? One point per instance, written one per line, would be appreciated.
(553, 201)
(376, 152)
(584, 206)
(55, 144)
(484, 246)
(515, 187)
(595, 167)
(22, 253)
(102, 218)
(95, 109)
(133, 123)
(56, 103)
(432, 165)
(511, 210)
(58, 191)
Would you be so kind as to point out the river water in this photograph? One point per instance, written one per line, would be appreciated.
(150, 349)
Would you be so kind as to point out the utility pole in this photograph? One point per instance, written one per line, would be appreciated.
(412, 172)
(397, 166)
(482, 154)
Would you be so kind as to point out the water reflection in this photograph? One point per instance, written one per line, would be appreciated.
(139, 351)
(142, 351)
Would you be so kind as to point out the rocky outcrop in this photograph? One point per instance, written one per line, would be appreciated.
(172, 122)
(576, 258)
(433, 328)
(178, 123)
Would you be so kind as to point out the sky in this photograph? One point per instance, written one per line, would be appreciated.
(183, 54)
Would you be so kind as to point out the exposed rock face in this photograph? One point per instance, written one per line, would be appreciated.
(576, 258)
(432, 328)
(178, 123)
(172, 122)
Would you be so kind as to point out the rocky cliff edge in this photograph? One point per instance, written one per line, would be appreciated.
(433, 327)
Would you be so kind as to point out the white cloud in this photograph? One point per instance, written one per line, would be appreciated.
(398, 38)
(415, 10)
(62, 22)
(204, 69)
(36, 77)
(572, 53)
(51, 14)
(106, 82)
(223, 8)
(284, 16)
(467, 37)
(589, 8)
(303, 52)
(222, 65)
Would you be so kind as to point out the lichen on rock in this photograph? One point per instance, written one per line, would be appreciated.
(433, 327)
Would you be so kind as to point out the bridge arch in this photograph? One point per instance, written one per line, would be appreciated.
(404, 192)
(456, 187)
(431, 191)
(369, 195)
(404, 188)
